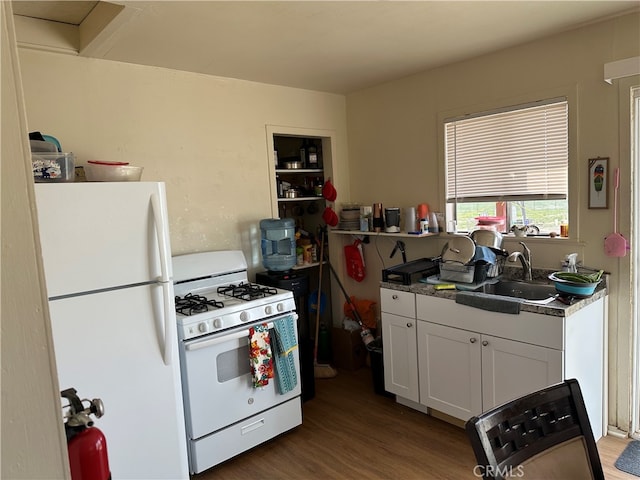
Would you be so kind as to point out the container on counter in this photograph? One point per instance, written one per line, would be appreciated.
(102, 171)
(53, 167)
(433, 223)
(423, 210)
(366, 217)
(307, 254)
(410, 219)
(378, 217)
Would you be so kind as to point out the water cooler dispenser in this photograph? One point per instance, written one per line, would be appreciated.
(278, 244)
(278, 247)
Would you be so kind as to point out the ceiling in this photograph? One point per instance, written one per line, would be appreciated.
(329, 46)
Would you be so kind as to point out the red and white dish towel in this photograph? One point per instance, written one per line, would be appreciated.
(260, 355)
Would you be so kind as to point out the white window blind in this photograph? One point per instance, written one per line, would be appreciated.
(519, 153)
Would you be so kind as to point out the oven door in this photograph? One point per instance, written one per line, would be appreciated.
(217, 383)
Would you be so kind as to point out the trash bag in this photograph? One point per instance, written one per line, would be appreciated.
(366, 309)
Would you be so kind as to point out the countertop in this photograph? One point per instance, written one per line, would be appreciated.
(554, 308)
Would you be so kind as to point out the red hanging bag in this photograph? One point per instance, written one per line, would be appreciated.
(355, 262)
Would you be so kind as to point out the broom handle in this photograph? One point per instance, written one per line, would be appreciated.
(315, 346)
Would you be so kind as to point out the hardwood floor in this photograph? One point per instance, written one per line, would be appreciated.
(610, 449)
(349, 432)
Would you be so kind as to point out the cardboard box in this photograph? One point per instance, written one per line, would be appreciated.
(349, 351)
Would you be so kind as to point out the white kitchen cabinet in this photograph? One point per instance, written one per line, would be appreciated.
(463, 373)
(449, 365)
(400, 356)
(511, 369)
(470, 360)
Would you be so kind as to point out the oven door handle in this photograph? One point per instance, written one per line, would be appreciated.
(221, 339)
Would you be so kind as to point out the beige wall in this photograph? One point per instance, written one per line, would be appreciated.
(395, 153)
(32, 434)
(205, 136)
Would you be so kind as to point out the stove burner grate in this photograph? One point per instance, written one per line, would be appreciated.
(247, 291)
(192, 304)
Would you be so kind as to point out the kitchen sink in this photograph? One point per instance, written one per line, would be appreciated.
(524, 290)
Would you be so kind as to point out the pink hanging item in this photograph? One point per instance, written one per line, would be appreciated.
(615, 245)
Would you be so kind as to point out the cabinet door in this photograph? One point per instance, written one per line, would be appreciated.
(449, 370)
(511, 369)
(400, 356)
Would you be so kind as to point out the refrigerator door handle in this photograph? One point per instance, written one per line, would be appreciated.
(169, 323)
(163, 240)
(165, 280)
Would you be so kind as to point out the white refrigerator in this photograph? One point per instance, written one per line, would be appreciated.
(107, 264)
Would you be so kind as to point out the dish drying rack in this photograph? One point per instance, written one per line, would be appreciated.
(473, 272)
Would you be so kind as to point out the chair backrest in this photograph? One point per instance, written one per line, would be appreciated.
(543, 435)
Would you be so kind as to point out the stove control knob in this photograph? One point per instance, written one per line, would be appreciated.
(203, 327)
(217, 323)
(280, 307)
(268, 310)
(244, 316)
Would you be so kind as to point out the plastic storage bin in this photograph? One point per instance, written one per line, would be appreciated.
(53, 167)
(456, 272)
(377, 367)
(278, 244)
(469, 273)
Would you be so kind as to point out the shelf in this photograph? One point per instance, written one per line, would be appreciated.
(298, 199)
(299, 170)
(306, 265)
(384, 234)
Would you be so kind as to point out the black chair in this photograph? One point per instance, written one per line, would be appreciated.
(544, 435)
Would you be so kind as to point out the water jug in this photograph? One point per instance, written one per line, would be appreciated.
(278, 244)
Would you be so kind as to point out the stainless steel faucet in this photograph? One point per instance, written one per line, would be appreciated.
(525, 260)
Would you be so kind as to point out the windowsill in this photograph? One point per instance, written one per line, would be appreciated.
(541, 239)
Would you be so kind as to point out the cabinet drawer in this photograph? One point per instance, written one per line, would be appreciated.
(537, 329)
(398, 303)
(213, 449)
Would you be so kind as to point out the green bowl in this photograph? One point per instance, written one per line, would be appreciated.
(573, 288)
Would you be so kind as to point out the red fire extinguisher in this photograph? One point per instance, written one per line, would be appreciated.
(87, 445)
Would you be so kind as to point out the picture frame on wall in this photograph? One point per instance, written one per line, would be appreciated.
(599, 182)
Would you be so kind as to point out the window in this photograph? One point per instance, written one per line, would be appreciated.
(509, 167)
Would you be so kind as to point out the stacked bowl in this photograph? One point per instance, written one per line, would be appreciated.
(103, 171)
(576, 284)
(350, 218)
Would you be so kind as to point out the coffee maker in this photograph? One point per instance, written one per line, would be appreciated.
(392, 220)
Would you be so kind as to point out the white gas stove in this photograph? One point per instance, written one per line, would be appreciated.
(213, 294)
(217, 308)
